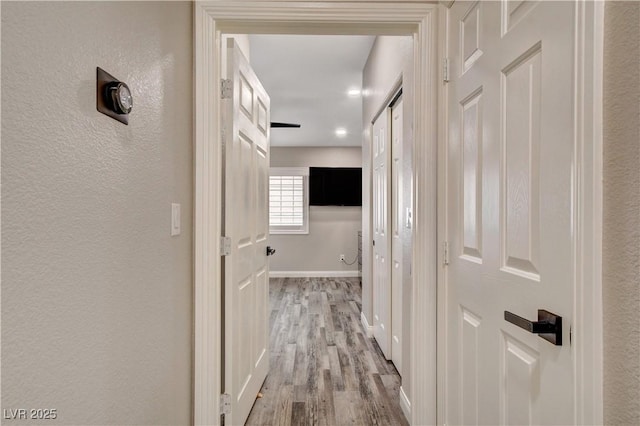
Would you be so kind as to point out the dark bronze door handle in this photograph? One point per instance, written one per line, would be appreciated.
(270, 251)
(548, 326)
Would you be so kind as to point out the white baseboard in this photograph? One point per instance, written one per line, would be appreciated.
(405, 405)
(367, 328)
(313, 274)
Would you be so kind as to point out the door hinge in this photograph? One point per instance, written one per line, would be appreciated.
(225, 404)
(225, 246)
(445, 250)
(226, 88)
(445, 70)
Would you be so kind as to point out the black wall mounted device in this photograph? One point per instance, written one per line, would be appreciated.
(113, 97)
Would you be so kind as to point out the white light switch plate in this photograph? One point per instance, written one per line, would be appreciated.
(175, 219)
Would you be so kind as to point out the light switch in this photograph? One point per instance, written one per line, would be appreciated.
(175, 219)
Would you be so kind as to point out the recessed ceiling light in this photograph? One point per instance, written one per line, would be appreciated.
(341, 131)
(354, 92)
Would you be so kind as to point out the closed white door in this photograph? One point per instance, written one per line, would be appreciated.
(246, 211)
(509, 211)
(381, 240)
(396, 235)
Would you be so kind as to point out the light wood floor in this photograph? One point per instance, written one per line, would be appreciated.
(323, 369)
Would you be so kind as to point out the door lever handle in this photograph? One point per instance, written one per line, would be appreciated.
(270, 251)
(548, 326)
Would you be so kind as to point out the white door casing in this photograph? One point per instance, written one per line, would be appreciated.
(246, 223)
(381, 182)
(397, 227)
(515, 210)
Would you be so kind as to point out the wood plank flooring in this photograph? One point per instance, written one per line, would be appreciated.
(324, 371)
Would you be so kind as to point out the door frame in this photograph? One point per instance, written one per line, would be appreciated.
(587, 216)
(211, 18)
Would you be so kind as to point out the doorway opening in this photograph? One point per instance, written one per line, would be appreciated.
(212, 20)
(326, 92)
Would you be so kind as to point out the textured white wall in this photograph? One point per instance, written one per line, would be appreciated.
(390, 58)
(96, 295)
(333, 230)
(621, 251)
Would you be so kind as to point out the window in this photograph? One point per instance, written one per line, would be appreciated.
(289, 200)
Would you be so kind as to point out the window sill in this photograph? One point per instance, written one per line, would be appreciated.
(289, 232)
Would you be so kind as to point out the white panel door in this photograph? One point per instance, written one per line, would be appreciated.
(509, 210)
(381, 240)
(396, 235)
(246, 214)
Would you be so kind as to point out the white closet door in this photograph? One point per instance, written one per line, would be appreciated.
(396, 234)
(381, 237)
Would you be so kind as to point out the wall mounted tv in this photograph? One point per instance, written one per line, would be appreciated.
(335, 186)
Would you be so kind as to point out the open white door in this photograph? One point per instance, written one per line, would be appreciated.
(246, 216)
(509, 208)
(397, 227)
(381, 241)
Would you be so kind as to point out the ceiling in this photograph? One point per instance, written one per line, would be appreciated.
(308, 79)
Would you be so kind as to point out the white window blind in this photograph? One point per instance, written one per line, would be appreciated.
(288, 207)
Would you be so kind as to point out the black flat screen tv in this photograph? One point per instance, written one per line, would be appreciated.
(335, 186)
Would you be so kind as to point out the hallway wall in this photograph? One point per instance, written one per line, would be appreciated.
(96, 294)
(621, 239)
(333, 230)
(391, 57)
